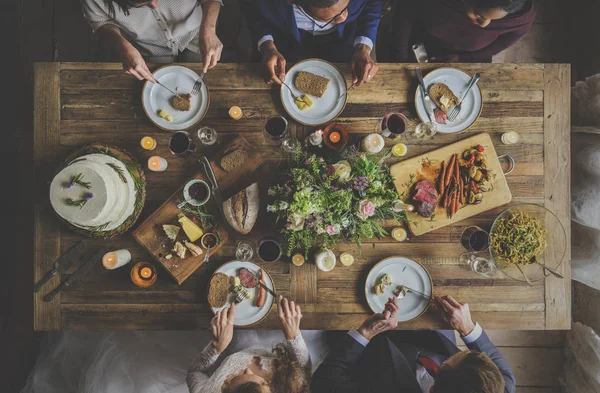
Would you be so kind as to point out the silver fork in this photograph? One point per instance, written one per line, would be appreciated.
(456, 110)
(291, 92)
(197, 85)
(241, 295)
(347, 90)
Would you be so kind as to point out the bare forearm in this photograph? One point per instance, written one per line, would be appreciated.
(210, 14)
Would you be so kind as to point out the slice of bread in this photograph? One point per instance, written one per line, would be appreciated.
(311, 84)
(233, 160)
(218, 290)
(443, 97)
(182, 102)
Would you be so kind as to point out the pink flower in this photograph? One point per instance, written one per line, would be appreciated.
(365, 209)
(331, 230)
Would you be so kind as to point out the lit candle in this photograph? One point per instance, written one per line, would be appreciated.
(298, 260)
(510, 138)
(157, 164)
(115, 259)
(399, 234)
(373, 143)
(346, 259)
(148, 143)
(143, 274)
(316, 138)
(335, 137)
(235, 112)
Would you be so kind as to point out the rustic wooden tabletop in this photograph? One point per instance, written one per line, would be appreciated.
(81, 103)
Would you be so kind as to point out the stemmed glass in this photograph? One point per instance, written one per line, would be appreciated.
(244, 251)
(475, 240)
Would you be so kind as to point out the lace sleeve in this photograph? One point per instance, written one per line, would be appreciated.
(196, 375)
(298, 346)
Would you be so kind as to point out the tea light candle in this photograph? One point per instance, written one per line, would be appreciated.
(346, 259)
(399, 234)
(157, 164)
(143, 274)
(373, 143)
(298, 259)
(335, 137)
(115, 259)
(510, 138)
(148, 143)
(235, 112)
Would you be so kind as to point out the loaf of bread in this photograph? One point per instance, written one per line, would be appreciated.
(312, 84)
(443, 97)
(182, 102)
(218, 290)
(234, 160)
(241, 210)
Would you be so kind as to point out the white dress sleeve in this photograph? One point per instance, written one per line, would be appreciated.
(298, 346)
(197, 372)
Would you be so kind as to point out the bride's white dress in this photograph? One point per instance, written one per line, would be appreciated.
(138, 362)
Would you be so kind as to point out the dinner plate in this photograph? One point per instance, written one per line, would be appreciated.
(403, 271)
(246, 313)
(457, 81)
(326, 108)
(155, 97)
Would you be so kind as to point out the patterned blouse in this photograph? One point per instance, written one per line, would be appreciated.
(159, 34)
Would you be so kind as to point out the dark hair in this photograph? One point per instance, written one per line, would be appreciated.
(316, 3)
(289, 376)
(124, 5)
(510, 6)
(475, 373)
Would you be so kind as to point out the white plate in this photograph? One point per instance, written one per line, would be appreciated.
(326, 108)
(403, 271)
(246, 313)
(457, 81)
(181, 80)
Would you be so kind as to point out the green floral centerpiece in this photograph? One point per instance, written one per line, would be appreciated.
(322, 203)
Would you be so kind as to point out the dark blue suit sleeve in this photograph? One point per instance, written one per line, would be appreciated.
(368, 21)
(485, 345)
(258, 25)
(335, 375)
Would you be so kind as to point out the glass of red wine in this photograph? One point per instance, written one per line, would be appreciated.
(269, 249)
(472, 238)
(181, 143)
(393, 125)
(275, 129)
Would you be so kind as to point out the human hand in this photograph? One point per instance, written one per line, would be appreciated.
(289, 316)
(274, 61)
(222, 328)
(456, 314)
(363, 67)
(133, 62)
(445, 59)
(381, 322)
(210, 46)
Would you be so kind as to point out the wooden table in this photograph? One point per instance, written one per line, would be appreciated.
(80, 103)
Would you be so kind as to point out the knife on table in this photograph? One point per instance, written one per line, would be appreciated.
(215, 190)
(62, 264)
(426, 99)
(85, 268)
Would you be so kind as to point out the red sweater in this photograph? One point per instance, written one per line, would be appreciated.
(445, 29)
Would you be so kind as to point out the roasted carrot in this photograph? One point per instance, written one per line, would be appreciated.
(456, 170)
(442, 178)
(447, 196)
(449, 171)
(262, 294)
(455, 208)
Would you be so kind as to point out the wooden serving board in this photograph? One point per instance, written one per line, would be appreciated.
(150, 234)
(427, 166)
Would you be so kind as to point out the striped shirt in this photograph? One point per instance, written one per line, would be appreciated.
(159, 34)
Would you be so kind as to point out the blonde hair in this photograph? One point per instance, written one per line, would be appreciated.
(474, 373)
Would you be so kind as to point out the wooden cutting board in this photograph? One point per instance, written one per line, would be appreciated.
(427, 167)
(150, 234)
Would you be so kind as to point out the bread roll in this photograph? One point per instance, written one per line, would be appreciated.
(241, 210)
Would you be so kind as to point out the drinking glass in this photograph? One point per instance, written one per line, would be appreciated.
(181, 143)
(244, 251)
(269, 249)
(472, 238)
(290, 145)
(393, 125)
(207, 136)
(425, 129)
(482, 266)
(275, 129)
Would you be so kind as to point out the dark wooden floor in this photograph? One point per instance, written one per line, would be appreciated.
(54, 30)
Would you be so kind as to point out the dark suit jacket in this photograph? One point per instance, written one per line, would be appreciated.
(276, 18)
(388, 363)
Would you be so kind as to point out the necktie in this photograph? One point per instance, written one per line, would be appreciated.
(430, 365)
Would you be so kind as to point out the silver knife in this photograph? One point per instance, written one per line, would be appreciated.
(62, 264)
(425, 97)
(264, 286)
(172, 92)
(80, 272)
(216, 192)
(414, 291)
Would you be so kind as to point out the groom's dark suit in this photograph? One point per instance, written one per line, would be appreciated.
(388, 363)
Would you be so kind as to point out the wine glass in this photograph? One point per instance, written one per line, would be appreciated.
(290, 145)
(477, 264)
(207, 136)
(244, 251)
(425, 129)
(472, 238)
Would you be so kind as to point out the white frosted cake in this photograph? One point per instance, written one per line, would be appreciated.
(94, 192)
